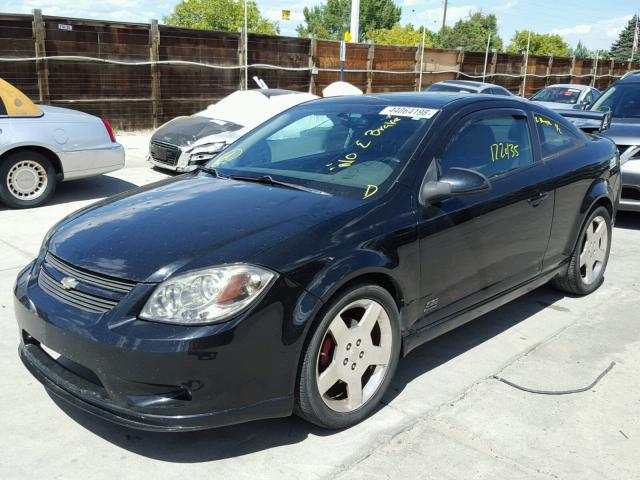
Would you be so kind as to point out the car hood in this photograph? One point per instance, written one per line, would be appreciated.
(196, 130)
(556, 105)
(187, 222)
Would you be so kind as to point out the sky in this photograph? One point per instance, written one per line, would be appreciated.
(595, 22)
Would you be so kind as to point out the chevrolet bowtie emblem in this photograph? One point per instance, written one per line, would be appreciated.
(68, 283)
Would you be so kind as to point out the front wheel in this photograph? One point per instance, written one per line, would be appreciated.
(589, 259)
(350, 359)
(27, 179)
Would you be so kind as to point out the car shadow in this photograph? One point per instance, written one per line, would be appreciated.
(628, 220)
(92, 188)
(244, 439)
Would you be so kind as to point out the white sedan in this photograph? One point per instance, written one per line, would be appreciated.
(42, 145)
(184, 143)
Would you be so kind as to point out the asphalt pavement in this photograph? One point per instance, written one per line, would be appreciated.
(447, 415)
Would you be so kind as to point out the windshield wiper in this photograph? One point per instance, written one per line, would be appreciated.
(211, 171)
(269, 180)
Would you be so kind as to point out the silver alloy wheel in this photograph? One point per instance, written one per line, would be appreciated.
(27, 180)
(354, 356)
(594, 250)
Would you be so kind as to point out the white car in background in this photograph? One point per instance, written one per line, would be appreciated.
(564, 96)
(184, 143)
(42, 145)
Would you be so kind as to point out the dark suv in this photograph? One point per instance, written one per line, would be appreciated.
(622, 99)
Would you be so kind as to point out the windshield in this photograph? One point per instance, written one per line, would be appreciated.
(621, 100)
(558, 95)
(439, 87)
(337, 147)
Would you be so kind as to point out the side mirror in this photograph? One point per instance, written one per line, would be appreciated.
(456, 182)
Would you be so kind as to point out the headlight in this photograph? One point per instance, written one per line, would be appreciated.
(206, 152)
(207, 296)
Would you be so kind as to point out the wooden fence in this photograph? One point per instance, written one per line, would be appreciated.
(140, 75)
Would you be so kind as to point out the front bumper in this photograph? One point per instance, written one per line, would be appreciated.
(180, 167)
(156, 376)
(630, 200)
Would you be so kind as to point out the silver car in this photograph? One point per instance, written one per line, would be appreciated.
(566, 95)
(42, 145)
(468, 86)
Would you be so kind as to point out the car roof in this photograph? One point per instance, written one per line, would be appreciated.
(274, 92)
(631, 77)
(427, 99)
(569, 85)
(467, 83)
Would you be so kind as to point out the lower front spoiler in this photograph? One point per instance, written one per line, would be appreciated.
(62, 383)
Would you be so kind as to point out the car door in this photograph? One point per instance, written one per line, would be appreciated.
(477, 246)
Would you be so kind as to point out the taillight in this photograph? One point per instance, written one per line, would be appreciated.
(107, 125)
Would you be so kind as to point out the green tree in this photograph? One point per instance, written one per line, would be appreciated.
(225, 15)
(541, 44)
(581, 51)
(472, 33)
(332, 19)
(398, 35)
(621, 49)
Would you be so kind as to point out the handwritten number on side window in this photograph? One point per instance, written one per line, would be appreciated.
(504, 150)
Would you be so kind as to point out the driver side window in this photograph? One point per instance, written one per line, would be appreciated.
(491, 145)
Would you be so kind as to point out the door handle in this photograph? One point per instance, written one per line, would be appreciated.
(537, 199)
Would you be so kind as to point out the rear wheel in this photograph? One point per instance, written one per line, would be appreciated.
(589, 260)
(27, 179)
(351, 358)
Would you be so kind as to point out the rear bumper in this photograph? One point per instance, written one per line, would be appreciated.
(87, 163)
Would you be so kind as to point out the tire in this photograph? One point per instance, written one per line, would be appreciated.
(589, 259)
(27, 179)
(356, 342)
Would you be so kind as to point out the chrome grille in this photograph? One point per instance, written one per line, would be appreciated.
(164, 152)
(83, 301)
(91, 279)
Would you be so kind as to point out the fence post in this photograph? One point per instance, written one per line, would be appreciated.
(494, 66)
(416, 68)
(313, 50)
(572, 69)
(370, 55)
(523, 74)
(549, 67)
(39, 35)
(241, 58)
(460, 62)
(612, 66)
(154, 56)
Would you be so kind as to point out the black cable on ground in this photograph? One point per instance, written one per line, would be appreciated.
(557, 392)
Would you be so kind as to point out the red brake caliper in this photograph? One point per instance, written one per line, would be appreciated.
(326, 352)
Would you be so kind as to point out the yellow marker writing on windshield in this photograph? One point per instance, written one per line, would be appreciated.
(370, 191)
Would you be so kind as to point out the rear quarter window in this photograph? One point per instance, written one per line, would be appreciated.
(556, 136)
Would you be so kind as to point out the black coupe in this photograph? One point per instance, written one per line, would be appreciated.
(292, 272)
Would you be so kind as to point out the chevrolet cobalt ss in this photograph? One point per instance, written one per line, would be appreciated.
(292, 272)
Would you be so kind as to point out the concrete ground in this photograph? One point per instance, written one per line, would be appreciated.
(445, 417)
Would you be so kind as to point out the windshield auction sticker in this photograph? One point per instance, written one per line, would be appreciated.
(413, 112)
